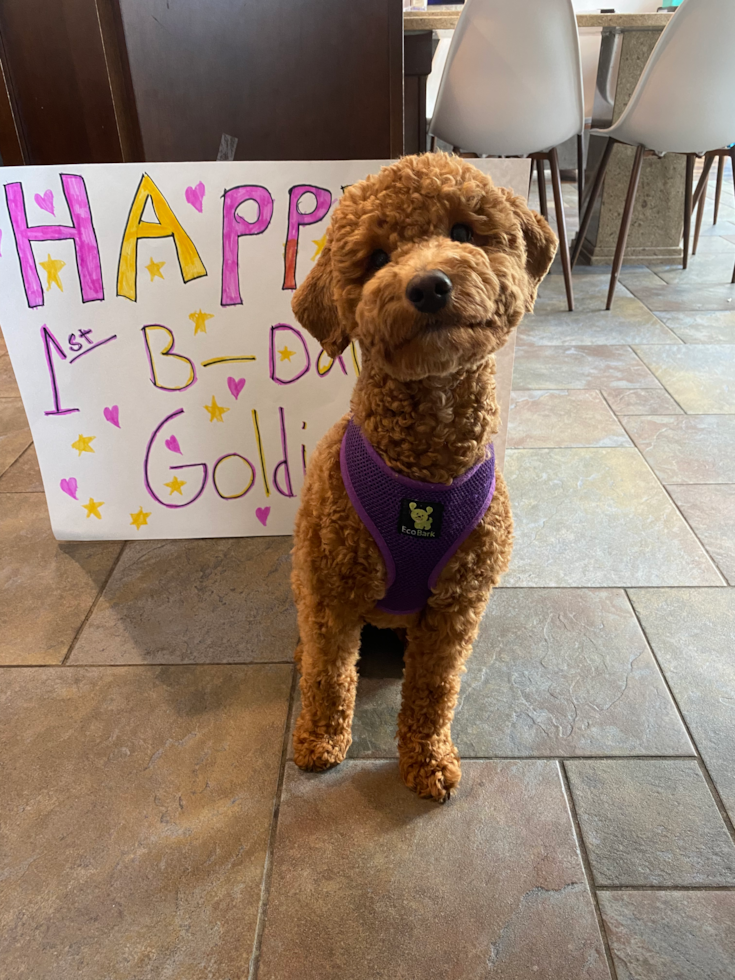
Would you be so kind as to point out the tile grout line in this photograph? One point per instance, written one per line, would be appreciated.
(702, 765)
(92, 608)
(19, 456)
(663, 386)
(666, 888)
(680, 513)
(587, 869)
(268, 864)
(689, 524)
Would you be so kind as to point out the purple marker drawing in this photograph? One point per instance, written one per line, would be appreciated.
(81, 231)
(185, 466)
(172, 444)
(112, 415)
(288, 492)
(234, 227)
(262, 513)
(45, 201)
(70, 486)
(195, 196)
(235, 385)
(296, 220)
(272, 354)
(48, 338)
(88, 349)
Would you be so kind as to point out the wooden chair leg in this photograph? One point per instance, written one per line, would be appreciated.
(580, 174)
(718, 186)
(702, 182)
(688, 207)
(584, 220)
(698, 223)
(701, 193)
(541, 170)
(432, 144)
(635, 175)
(561, 226)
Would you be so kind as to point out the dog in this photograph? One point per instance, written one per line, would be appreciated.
(429, 267)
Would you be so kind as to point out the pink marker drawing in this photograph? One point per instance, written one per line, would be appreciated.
(235, 386)
(70, 486)
(195, 196)
(172, 443)
(45, 201)
(262, 513)
(113, 415)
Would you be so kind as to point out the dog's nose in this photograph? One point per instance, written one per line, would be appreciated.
(429, 291)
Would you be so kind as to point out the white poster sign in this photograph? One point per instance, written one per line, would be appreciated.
(147, 313)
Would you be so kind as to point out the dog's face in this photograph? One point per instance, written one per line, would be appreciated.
(427, 265)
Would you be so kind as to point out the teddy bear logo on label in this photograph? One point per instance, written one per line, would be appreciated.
(419, 519)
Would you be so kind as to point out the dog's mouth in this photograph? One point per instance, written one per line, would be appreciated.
(438, 325)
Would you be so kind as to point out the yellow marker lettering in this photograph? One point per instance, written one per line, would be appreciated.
(167, 226)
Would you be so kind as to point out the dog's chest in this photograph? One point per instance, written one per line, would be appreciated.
(416, 526)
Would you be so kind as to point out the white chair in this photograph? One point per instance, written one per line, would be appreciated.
(683, 103)
(512, 86)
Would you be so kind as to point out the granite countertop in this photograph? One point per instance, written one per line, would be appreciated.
(445, 18)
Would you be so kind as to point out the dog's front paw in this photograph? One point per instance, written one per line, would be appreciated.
(315, 751)
(432, 771)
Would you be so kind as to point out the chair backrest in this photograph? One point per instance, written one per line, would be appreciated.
(684, 101)
(512, 84)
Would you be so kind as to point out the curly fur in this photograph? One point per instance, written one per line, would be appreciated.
(425, 399)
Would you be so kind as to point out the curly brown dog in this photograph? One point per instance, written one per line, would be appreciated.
(430, 267)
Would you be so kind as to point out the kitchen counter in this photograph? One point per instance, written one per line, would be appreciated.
(445, 18)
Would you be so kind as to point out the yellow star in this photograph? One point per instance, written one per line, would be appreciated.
(286, 354)
(154, 268)
(199, 320)
(82, 445)
(93, 507)
(139, 519)
(215, 411)
(53, 267)
(320, 243)
(176, 484)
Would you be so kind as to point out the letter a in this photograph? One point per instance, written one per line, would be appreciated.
(167, 226)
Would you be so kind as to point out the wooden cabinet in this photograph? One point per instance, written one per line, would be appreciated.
(110, 80)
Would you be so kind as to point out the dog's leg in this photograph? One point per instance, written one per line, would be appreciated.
(437, 649)
(329, 651)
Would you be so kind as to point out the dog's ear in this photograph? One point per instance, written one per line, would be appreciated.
(541, 244)
(316, 309)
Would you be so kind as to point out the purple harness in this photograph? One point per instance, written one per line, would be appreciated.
(417, 526)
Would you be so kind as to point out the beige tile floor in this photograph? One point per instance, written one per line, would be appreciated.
(154, 827)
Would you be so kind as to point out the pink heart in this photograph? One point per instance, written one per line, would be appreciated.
(172, 443)
(236, 386)
(113, 415)
(46, 201)
(262, 514)
(195, 196)
(70, 486)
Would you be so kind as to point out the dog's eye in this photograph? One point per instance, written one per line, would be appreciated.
(379, 258)
(461, 233)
